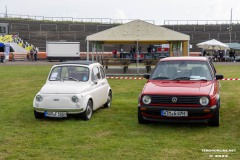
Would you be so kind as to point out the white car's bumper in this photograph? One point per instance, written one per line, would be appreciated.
(60, 103)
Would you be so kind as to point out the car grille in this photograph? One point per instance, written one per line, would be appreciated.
(156, 99)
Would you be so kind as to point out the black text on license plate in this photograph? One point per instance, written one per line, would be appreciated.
(55, 114)
(169, 113)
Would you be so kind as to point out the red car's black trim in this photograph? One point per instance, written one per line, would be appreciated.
(198, 114)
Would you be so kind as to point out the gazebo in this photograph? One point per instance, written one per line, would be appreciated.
(140, 32)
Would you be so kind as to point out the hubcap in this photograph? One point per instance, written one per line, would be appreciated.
(109, 101)
(89, 111)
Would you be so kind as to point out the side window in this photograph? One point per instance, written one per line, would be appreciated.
(212, 67)
(96, 74)
(92, 77)
(55, 74)
(102, 73)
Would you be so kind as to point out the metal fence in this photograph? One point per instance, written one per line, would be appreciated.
(86, 20)
(200, 22)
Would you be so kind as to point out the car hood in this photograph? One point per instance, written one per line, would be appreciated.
(65, 87)
(178, 87)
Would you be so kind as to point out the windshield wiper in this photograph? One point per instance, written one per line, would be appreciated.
(160, 78)
(198, 79)
(57, 78)
(182, 78)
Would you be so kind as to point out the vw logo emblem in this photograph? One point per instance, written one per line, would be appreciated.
(174, 99)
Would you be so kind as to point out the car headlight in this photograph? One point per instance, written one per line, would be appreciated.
(39, 98)
(146, 99)
(74, 99)
(204, 101)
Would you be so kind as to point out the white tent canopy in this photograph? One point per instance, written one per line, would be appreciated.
(213, 45)
(139, 32)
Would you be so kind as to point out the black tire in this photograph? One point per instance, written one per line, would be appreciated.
(140, 118)
(214, 122)
(87, 114)
(38, 115)
(109, 100)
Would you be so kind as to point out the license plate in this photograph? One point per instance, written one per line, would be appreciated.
(168, 113)
(56, 114)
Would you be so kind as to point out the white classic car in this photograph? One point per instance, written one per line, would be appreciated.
(77, 87)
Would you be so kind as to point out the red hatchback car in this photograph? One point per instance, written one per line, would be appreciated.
(181, 89)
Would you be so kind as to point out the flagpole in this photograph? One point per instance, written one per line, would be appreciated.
(230, 28)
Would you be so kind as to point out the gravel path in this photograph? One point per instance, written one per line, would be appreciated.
(132, 70)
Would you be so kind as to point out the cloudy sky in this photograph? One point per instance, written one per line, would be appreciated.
(157, 10)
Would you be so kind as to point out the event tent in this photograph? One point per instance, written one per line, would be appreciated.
(140, 32)
(233, 45)
(213, 45)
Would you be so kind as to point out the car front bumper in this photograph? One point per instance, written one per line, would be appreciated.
(195, 114)
(69, 111)
(60, 103)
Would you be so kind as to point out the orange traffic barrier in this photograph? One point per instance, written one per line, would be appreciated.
(41, 55)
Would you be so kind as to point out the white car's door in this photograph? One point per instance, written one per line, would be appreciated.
(98, 97)
(105, 84)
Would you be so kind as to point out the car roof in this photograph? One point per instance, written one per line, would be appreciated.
(185, 58)
(78, 62)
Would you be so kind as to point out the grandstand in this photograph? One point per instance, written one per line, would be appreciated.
(37, 32)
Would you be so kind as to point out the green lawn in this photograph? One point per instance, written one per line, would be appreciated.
(112, 133)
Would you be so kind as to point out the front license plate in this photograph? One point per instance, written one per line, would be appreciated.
(56, 114)
(168, 113)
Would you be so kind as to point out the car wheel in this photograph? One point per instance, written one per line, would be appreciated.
(140, 118)
(216, 118)
(109, 100)
(38, 115)
(87, 114)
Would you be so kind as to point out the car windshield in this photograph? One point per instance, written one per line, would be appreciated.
(69, 73)
(181, 70)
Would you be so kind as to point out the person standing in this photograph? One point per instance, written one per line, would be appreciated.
(231, 55)
(31, 54)
(234, 54)
(134, 49)
(121, 53)
(149, 49)
(114, 53)
(204, 53)
(35, 54)
(220, 56)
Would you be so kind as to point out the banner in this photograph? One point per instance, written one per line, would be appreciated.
(177, 48)
(6, 39)
(7, 51)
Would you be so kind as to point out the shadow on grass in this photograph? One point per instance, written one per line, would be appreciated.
(178, 125)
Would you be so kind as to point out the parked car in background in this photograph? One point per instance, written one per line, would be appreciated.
(78, 88)
(181, 89)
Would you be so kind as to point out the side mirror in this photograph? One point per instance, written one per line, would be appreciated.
(146, 76)
(219, 76)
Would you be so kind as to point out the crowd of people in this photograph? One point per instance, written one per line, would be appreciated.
(133, 50)
(32, 55)
(218, 56)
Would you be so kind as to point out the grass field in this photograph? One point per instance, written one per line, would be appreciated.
(112, 133)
